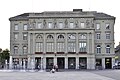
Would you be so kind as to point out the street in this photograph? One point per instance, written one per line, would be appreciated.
(65, 75)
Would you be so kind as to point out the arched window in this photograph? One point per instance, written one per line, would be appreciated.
(24, 49)
(60, 37)
(98, 49)
(71, 36)
(108, 49)
(82, 36)
(49, 37)
(39, 37)
(15, 49)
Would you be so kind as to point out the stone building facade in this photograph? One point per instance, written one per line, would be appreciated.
(71, 39)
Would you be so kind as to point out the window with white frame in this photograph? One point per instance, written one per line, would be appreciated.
(107, 35)
(15, 49)
(61, 25)
(98, 49)
(25, 36)
(25, 50)
(71, 25)
(98, 35)
(16, 27)
(107, 26)
(71, 47)
(83, 36)
(71, 36)
(39, 47)
(107, 48)
(39, 25)
(82, 46)
(98, 26)
(60, 47)
(82, 24)
(50, 26)
(25, 27)
(50, 47)
(15, 36)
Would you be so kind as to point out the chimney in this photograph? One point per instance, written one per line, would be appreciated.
(77, 10)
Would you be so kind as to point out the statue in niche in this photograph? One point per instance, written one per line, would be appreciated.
(76, 23)
(34, 23)
(66, 23)
(88, 23)
(55, 23)
(44, 23)
(30, 24)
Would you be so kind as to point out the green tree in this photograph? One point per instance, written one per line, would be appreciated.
(4, 55)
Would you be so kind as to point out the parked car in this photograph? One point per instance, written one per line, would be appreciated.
(116, 65)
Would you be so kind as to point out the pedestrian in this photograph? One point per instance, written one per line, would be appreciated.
(56, 68)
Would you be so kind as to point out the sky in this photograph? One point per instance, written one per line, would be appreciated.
(10, 8)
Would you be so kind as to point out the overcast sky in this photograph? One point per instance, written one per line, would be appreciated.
(10, 8)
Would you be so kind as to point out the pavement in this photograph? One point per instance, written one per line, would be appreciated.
(65, 75)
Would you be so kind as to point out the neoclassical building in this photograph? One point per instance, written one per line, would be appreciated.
(71, 39)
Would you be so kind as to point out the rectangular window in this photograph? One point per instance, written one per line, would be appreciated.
(39, 25)
(71, 25)
(25, 50)
(98, 26)
(50, 25)
(15, 50)
(82, 47)
(25, 27)
(39, 47)
(60, 47)
(98, 35)
(60, 25)
(82, 25)
(107, 26)
(16, 27)
(25, 36)
(50, 47)
(107, 35)
(71, 47)
(15, 36)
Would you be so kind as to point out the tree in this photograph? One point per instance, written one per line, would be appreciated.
(4, 55)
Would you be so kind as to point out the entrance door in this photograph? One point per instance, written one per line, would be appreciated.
(60, 62)
(71, 63)
(49, 63)
(82, 63)
(108, 63)
(37, 63)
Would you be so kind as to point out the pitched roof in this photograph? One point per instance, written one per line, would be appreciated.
(63, 14)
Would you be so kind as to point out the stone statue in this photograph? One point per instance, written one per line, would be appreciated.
(66, 23)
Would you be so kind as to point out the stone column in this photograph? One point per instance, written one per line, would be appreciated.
(55, 43)
(77, 62)
(88, 43)
(66, 62)
(113, 61)
(77, 43)
(29, 66)
(33, 44)
(55, 60)
(10, 63)
(44, 43)
(44, 62)
(41, 63)
(66, 43)
(103, 63)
